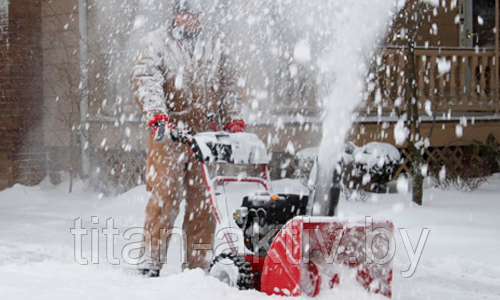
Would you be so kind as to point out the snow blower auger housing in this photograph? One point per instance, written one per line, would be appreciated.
(288, 252)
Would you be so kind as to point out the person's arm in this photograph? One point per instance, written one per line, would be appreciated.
(148, 83)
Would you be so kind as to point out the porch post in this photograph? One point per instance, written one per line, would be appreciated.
(497, 86)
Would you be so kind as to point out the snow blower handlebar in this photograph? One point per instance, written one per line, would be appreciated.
(186, 137)
(222, 147)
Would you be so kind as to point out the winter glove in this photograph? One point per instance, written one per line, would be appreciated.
(162, 129)
(235, 126)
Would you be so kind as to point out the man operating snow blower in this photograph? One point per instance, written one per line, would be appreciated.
(182, 81)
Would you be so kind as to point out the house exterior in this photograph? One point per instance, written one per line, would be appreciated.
(52, 50)
(457, 82)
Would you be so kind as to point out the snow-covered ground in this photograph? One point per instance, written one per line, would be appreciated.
(461, 259)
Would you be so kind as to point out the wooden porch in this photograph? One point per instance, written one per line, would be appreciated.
(454, 87)
(450, 78)
(458, 97)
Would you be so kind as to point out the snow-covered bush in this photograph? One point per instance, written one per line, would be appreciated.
(368, 168)
(364, 169)
(469, 171)
(489, 152)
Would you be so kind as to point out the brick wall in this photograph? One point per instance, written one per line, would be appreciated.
(22, 150)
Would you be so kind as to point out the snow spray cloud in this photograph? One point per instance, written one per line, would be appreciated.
(276, 45)
(356, 27)
(288, 51)
(291, 54)
(309, 54)
(116, 29)
(122, 24)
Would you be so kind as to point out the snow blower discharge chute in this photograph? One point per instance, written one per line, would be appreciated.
(288, 251)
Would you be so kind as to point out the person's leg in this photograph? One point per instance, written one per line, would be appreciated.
(165, 180)
(199, 221)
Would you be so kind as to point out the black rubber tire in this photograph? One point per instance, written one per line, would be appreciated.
(245, 275)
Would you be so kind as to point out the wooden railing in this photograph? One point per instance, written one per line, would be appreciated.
(456, 79)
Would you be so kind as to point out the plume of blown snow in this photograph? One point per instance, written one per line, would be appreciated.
(357, 25)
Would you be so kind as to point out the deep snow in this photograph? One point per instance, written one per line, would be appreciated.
(460, 259)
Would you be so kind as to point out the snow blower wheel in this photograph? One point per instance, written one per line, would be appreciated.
(232, 269)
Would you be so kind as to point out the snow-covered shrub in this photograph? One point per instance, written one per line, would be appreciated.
(489, 153)
(467, 180)
(364, 169)
(471, 170)
(368, 168)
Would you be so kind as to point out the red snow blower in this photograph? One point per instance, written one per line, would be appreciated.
(288, 251)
